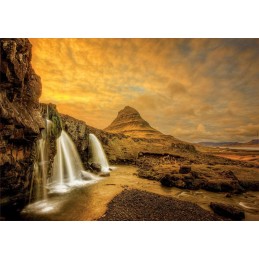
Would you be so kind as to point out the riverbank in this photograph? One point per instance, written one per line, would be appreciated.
(90, 202)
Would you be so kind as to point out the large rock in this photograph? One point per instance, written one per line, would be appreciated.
(185, 169)
(96, 167)
(228, 211)
(20, 117)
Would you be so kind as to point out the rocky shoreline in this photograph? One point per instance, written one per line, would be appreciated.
(199, 171)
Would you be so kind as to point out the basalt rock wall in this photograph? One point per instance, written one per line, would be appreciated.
(20, 118)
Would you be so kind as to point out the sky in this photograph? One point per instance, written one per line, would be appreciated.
(194, 89)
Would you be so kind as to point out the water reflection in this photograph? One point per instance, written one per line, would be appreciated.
(89, 202)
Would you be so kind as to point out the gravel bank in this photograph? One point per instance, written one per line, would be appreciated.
(136, 205)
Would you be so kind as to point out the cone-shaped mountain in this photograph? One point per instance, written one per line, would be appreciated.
(129, 122)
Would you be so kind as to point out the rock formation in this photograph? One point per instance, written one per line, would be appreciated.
(228, 211)
(129, 122)
(20, 117)
(120, 147)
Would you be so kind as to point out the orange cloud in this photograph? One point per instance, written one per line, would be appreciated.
(194, 89)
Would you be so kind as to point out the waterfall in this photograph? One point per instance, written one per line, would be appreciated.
(41, 165)
(67, 170)
(98, 155)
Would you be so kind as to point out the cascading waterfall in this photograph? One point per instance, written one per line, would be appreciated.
(68, 169)
(98, 155)
(41, 166)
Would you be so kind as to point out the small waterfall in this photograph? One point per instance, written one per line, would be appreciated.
(41, 166)
(67, 163)
(67, 170)
(98, 155)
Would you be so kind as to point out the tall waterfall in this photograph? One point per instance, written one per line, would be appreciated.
(98, 155)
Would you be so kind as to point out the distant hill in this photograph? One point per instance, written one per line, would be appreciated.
(253, 142)
(218, 144)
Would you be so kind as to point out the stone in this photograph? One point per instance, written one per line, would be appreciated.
(104, 174)
(96, 167)
(167, 181)
(185, 169)
(228, 211)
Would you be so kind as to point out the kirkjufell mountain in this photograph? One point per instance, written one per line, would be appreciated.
(130, 123)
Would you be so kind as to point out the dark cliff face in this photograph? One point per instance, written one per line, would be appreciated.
(20, 117)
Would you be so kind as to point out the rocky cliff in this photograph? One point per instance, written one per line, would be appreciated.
(120, 147)
(20, 117)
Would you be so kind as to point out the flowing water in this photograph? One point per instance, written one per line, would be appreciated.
(98, 155)
(41, 166)
(68, 169)
(68, 172)
(89, 202)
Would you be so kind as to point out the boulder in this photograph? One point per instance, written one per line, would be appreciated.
(228, 211)
(167, 181)
(185, 169)
(96, 167)
(250, 185)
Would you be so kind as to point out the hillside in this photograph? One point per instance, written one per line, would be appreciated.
(130, 123)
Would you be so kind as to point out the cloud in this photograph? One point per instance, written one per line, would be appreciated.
(194, 89)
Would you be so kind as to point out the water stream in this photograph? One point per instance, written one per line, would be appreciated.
(98, 154)
(90, 202)
(67, 172)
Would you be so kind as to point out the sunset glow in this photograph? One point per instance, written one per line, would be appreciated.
(193, 89)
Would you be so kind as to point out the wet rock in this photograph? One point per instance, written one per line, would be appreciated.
(185, 169)
(20, 118)
(228, 211)
(219, 185)
(168, 181)
(104, 174)
(96, 167)
(86, 175)
(250, 185)
(179, 184)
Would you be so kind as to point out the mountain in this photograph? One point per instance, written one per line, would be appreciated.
(130, 123)
(253, 142)
(218, 144)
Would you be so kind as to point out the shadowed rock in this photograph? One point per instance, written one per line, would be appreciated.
(228, 211)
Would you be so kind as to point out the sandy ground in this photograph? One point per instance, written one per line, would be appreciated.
(245, 157)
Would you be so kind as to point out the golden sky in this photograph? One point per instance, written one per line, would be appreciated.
(193, 89)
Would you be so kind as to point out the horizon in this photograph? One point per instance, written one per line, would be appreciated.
(193, 89)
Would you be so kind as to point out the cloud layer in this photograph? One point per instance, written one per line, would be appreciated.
(193, 89)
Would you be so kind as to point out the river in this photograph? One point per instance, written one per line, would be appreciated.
(89, 202)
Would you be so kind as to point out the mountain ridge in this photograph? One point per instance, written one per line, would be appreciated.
(253, 142)
(130, 122)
